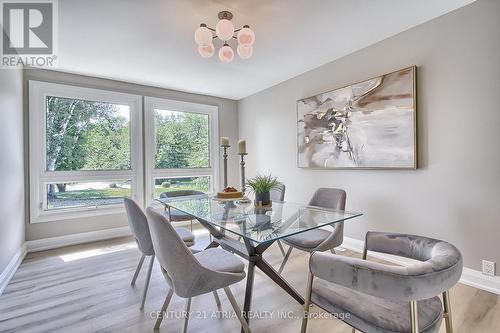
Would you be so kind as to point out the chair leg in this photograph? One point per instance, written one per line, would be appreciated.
(217, 299)
(237, 310)
(413, 317)
(307, 303)
(281, 247)
(186, 318)
(137, 270)
(163, 309)
(285, 260)
(447, 312)
(146, 284)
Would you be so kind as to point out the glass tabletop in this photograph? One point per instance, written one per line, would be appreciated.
(260, 225)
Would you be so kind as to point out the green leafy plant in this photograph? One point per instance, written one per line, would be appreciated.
(263, 183)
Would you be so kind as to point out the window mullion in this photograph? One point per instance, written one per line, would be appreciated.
(85, 175)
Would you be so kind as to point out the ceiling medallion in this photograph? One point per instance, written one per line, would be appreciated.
(224, 30)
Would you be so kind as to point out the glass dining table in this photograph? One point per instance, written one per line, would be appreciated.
(248, 231)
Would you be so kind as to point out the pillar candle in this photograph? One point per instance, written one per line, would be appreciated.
(224, 141)
(242, 147)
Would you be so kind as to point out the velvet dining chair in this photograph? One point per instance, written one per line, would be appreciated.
(140, 230)
(319, 239)
(378, 298)
(189, 275)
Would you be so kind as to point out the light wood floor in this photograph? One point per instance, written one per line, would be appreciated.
(86, 288)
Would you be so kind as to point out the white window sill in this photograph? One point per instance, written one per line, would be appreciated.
(76, 213)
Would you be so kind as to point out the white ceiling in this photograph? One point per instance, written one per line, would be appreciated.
(151, 41)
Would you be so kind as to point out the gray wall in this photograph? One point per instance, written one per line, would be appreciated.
(11, 165)
(455, 193)
(228, 120)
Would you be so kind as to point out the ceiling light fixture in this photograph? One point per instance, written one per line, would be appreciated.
(224, 30)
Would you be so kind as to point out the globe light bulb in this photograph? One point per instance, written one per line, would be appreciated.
(203, 36)
(224, 30)
(244, 51)
(206, 51)
(226, 53)
(246, 36)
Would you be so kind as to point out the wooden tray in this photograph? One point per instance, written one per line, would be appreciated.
(230, 199)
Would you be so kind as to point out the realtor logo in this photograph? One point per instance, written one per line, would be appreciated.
(28, 33)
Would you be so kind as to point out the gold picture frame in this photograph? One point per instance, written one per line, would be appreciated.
(370, 124)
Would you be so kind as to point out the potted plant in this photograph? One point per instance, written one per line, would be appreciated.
(261, 185)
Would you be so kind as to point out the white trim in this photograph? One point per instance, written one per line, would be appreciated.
(79, 212)
(11, 268)
(152, 103)
(38, 91)
(469, 277)
(74, 239)
(479, 280)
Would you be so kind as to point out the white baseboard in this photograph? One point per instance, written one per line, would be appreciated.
(478, 280)
(469, 277)
(11, 268)
(67, 240)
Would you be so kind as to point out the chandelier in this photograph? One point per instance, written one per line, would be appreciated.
(224, 30)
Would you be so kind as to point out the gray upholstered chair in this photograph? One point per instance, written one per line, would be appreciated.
(374, 297)
(176, 215)
(188, 274)
(319, 239)
(278, 194)
(140, 230)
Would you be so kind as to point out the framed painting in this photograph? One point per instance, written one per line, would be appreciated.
(366, 125)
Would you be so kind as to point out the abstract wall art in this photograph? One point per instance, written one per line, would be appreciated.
(370, 124)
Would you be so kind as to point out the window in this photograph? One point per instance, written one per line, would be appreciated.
(86, 135)
(85, 151)
(202, 184)
(87, 194)
(181, 140)
(181, 146)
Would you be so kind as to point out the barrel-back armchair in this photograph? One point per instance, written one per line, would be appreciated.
(375, 297)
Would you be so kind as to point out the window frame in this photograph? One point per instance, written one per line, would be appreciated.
(39, 176)
(152, 103)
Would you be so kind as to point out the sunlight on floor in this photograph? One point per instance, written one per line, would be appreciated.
(96, 252)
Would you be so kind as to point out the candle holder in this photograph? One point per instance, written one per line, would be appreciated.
(224, 155)
(242, 172)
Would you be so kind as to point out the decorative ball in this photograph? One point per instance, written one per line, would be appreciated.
(224, 30)
(244, 51)
(206, 51)
(203, 36)
(226, 54)
(246, 37)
